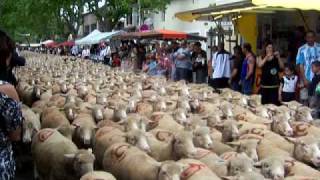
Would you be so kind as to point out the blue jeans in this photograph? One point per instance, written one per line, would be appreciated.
(247, 86)
(183, 74)
(236, 86)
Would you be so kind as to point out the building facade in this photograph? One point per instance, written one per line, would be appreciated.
(166, 19)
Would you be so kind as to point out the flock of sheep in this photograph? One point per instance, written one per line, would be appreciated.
(90, 122)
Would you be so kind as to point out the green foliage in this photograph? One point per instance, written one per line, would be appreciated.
(48, 18)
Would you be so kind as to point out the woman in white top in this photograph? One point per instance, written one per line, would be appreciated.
(288, 84)
(221, 65)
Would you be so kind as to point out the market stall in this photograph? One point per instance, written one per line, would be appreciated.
(159, 34)
(96, 37)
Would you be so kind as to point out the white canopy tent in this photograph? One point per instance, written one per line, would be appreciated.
(85, 40)
(35, 45)
(95, 37)
(47, 42)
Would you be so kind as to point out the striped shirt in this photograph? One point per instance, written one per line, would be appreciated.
(306, 55)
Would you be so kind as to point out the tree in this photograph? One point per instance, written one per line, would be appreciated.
(113, 10)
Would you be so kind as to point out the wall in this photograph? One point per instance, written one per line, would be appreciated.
(89, 20)
(173, 23)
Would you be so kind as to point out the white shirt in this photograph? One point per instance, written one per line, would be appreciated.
(289, 84)
(85, 53)
(221, 65)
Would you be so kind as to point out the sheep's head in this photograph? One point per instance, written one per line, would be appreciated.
(136, 122)
(138, 138)
(202, 137)
(214, 119)
(170, 170)
(281, 125)
(183, 103)
(120, 113)
(245, 176)
(240, 164)
(272, 167)
(230, 130)
(261, 111)
(226, 109)
(180, 116)
(307, 149)
(160, 106)
(304, 114)
(81, 162)
(183, 144)
(248, 147)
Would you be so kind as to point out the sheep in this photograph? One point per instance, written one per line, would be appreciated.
(168, 146)
(281, 126)
(303, 114)
(195, 170)
(84, 132)
(122, 157)
(170, 170)
(266, 149)
(213, 161)
(230, 130)
(245, 176)
(135, 121)
(202, 137)
(305, 129)
(274, 138)
(144, 108)
(164, 121)
(306, 149)
(272, 167)
(53, 118)
(240, 164)
(31, 124)
(276, 166)
(54, 155)
(101, 175)
(248, 147)
(104, 138)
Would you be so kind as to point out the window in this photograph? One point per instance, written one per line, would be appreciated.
(86, 30)
(163, 15)
(93, 26)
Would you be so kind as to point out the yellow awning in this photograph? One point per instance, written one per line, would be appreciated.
(248, 7)
(291, 4)
(187, 16)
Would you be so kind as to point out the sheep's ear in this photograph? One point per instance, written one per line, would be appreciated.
(240, 126)
(258, 164)
(90, 150)
(69, 156)
(294, 140)
(188, 128)
(235, 143)
(228, 177)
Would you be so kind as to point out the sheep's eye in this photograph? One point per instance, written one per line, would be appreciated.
(265, 165)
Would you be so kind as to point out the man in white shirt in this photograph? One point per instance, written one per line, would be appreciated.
(221, 65)
(86, 53)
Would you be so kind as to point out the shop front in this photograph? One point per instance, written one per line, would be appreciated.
(257, 21)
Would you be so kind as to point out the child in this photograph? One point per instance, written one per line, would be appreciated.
(313, 96)
(116, 62)
(288, 84)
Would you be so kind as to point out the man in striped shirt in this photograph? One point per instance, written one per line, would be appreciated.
(307, 54)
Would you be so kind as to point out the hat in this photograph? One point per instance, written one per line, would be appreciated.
(18, 60)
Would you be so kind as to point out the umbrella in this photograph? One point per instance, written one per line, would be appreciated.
(67, 43)
(51, 45)
(160, 34)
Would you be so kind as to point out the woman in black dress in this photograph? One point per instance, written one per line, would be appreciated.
(270, 64)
